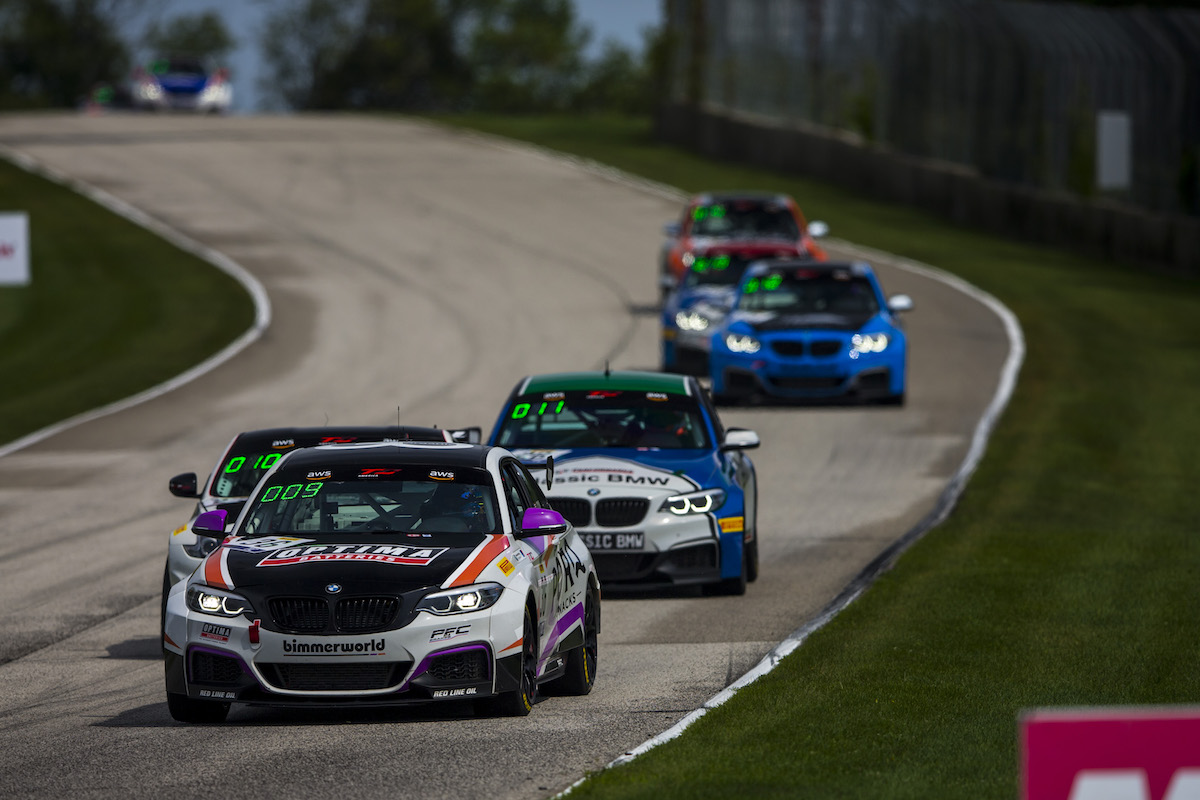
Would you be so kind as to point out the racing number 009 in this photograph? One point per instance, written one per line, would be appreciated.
(289, 492)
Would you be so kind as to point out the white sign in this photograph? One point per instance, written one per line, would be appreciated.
(14, 249)
(1114, 150)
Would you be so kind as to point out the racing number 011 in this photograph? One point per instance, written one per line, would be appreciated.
(521, 410)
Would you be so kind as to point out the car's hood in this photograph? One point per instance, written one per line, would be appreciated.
(712, 295)
(626, 470)
(764, 321)
(747, 246)
(183, 82)
(363, 563)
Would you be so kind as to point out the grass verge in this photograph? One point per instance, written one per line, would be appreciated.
(1066, 576)
(111, 310)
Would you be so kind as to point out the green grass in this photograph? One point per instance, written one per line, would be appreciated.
(111, 310)
(1066, 576)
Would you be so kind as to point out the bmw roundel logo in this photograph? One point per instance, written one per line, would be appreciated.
(333, 588)
(593, 492)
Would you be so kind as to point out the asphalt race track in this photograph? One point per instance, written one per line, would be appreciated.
(415, 268)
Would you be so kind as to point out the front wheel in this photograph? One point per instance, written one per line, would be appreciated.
(581, 662)
(732, 586)
(185, 709)
(520, 702)
(752, 560)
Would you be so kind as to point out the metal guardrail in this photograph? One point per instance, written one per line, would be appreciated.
(1016, 90)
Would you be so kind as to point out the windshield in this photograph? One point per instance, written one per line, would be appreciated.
(655, 420)
(722, 270)
(425, 499)
(809, 292)
(744, 218)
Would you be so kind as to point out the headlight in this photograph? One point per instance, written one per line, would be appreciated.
(149, 91)
(208, 600)
(691, 321)
(742, 343)
(462, 600)
(202, 546)
(701, 502)
(868, 343)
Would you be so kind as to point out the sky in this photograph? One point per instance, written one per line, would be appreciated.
(622, 20)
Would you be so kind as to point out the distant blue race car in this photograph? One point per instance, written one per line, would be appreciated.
(803, 330)
(704, 295)
(662, 494)
(182, 83)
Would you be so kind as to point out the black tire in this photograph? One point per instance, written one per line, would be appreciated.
(185, 709)
(582, 661)
(752, 559)
(893, 400)
(732, 586)
(162, 617)
(520, 702)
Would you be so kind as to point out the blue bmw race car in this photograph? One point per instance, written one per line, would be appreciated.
(804, 330)
(660, 491)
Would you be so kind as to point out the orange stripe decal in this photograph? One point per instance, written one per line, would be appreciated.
(495, 547)
(212, 570)
(517, 643)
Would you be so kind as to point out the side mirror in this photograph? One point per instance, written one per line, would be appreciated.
(472, 435)
(184, 485)
(740, 439)
(817, 229)
(900, 302)
(672, 230)
(542, 522)
(211, 524)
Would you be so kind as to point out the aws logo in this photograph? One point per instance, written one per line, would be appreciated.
(441, 475)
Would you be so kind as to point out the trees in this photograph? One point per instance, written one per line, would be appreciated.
(201, 35)
(507, 56)
(55, 53)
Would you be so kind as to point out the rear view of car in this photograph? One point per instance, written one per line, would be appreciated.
(801, 330)
(181, 83)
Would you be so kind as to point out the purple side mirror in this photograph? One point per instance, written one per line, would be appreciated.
(211, 523)
(542, 521)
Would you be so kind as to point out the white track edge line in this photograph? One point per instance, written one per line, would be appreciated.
(262, 303)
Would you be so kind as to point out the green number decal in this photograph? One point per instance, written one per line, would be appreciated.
(271, 493)
(520, 410)
(234, 464)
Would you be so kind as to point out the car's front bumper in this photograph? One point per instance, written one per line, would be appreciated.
(432, 658)
(876, 377)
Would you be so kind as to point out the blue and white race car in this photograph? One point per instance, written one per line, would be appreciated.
(384, 574)
(804, 330)
(182, 83)
(662, 493)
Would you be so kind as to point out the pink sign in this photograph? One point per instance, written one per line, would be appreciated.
(1111, 754)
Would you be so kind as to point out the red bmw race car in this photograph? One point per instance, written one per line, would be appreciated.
(736, 218)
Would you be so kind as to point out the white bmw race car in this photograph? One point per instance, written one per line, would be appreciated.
(385, 574)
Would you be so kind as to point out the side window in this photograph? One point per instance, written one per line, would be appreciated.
(533, 489)
(513, 479)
